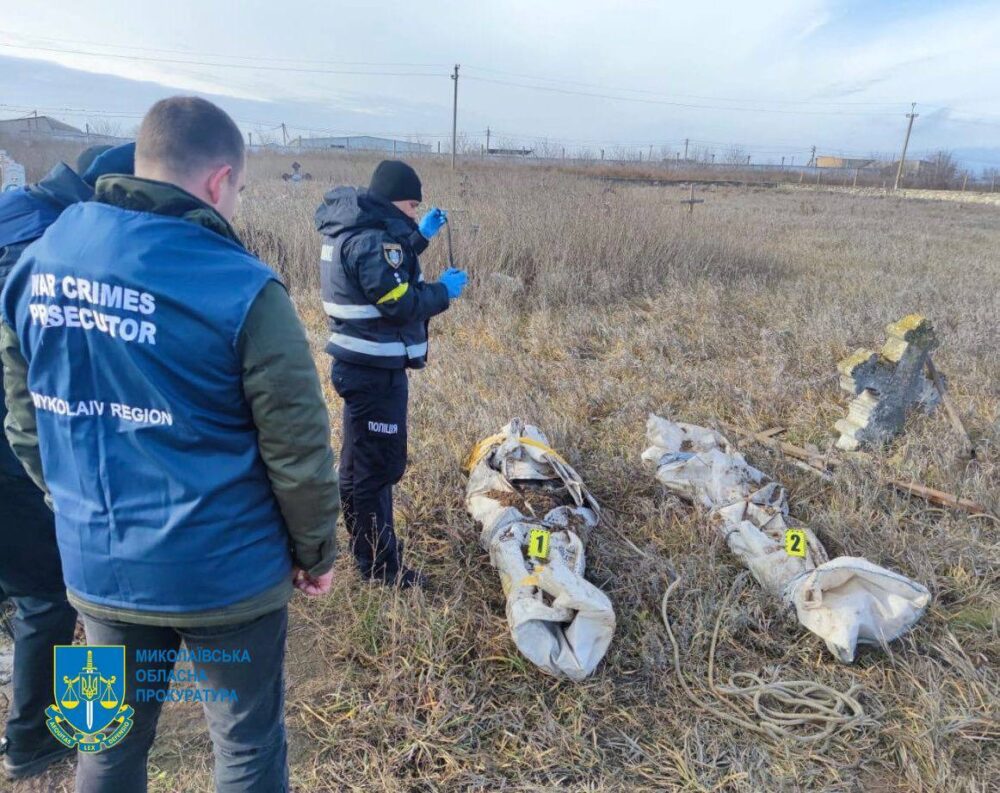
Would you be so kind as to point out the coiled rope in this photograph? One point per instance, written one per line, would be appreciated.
(801, 711)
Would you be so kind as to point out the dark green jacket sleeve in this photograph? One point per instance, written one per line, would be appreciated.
(293, 428)
(20, 426)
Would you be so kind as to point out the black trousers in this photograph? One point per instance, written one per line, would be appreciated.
(31, 576)
(372, 460)
(248, 735)
(40, 623)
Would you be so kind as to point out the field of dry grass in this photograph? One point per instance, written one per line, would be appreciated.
(737, 313)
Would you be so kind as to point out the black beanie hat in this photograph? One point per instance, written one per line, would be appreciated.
(395, 181)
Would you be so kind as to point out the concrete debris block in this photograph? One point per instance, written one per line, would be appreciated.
(887, 385)
(844, 601)
(536, 515)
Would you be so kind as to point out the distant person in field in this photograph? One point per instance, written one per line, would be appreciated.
(379, 307)
(159, 376)
(30, 573)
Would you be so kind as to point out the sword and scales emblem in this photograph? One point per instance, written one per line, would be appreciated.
(89, 686)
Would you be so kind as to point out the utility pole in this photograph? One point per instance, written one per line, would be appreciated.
(487, 140)
(812, 158)
(782, 162)
(284, 134)
(454, 119)
(602, 154)
(250, 139)
(906, 142)
(685, 148)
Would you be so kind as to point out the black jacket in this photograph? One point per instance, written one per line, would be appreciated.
(29, 559)
(373, 289)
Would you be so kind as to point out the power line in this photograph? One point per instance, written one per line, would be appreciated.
(217, 55)
(686, 105)
(681, 96)
(217, 65)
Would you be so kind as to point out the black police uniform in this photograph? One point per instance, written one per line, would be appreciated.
(378, 307)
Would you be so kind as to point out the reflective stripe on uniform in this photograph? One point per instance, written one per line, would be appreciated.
(388, 349)
(394, 294)
(326, 253)
(417, 350)
(341, 311)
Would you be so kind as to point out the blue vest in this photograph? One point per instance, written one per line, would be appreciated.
(129, 322)
(358, 333)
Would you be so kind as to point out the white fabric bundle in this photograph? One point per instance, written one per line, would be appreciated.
(844, 601)
(560, 621)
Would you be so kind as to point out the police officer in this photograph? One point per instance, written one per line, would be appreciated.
(158, 373)
(379, 307)
(30, 573)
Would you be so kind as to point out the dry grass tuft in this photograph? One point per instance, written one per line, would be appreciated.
(738, 313)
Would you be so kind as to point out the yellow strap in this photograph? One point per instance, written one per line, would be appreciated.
(544, 448)
(395, 294)
(481, 449)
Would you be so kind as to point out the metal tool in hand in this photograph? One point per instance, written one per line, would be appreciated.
(447, 228)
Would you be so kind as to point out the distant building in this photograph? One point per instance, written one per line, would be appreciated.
(48, 128)
(41, 126)
(362, 143)
(511, 152)
(824, 161)
(913, 167)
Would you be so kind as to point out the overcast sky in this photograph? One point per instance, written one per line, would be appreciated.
(775, 76)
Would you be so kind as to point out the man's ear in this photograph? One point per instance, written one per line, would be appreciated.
(216, 180)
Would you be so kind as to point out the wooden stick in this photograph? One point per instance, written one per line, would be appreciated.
(817, 461)
(939, 497)
(822, 467)
(949, 407)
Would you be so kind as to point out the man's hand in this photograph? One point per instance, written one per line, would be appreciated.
(454, 281)
(431, 223)
(312, 587)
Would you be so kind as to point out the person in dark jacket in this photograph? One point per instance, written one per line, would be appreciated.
(159, 375)
(379, 307)
(30, 572)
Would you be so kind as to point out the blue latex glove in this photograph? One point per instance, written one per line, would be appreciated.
(454, 281)
(431, 223)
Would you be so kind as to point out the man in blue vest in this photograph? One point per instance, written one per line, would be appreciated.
(379, 307)
(30, 573)
(159, 375)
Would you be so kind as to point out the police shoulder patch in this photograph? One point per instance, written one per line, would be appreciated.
(393, 253)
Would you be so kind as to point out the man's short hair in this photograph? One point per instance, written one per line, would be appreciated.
(184, 134)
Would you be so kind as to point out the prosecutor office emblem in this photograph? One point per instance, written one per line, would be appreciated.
(89, 687)
(393, 253)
